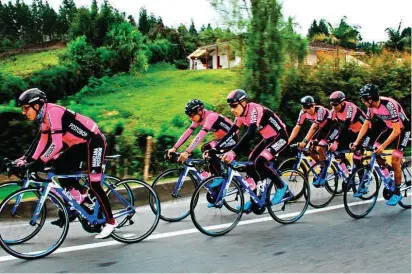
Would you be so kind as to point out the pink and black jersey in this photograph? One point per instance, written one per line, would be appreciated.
(390, 111)
(267, 122)
(351, 115)
(213, 122)
(320, 116)
(64, 126)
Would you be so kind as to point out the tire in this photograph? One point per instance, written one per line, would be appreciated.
(329, 187)
(290, 163)
(32, 255)
(406, 185)
(18, 184)
(196, 201)
(339, 189)
(156, 187)
(302, 200)
(353, 185)
(140, 195)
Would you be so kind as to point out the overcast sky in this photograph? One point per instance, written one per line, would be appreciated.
(374, 16)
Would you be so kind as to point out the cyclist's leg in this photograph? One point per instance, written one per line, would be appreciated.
(278, 144)
(321, 137)
(70, 162)
(96, 151)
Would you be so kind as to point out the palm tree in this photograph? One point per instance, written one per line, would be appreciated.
(398, 40)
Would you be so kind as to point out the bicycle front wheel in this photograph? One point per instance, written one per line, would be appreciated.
(296, 200)
(361, 192)
(175, 201)
(406, 185)
(324, 184)
(130, 201)
(216, 217)
(16, 212)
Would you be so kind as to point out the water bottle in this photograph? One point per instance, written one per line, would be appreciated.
(251, 182)
(343, 167)
(261, 187)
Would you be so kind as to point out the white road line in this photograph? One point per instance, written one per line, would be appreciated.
(188, 231)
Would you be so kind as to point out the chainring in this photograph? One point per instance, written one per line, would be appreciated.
(87, 226)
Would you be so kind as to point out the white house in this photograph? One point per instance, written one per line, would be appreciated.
(215, 56)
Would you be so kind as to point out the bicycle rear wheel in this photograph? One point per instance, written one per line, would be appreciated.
(292, 207)
(406, 185)
(130, 201)
(216, 218)
(324, 193)
(175, 207)
(359, 207)
(16, 219)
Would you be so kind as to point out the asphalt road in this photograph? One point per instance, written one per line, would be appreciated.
(326, 240)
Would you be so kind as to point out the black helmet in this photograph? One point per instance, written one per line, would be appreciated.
(369, 91)
(193, 106)
(337, 97)
(307, 101)
(31, 97)
(237, 96)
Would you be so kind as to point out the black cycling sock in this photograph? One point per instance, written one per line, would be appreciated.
(397, 190)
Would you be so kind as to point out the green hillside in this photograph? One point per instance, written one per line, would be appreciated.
(158, 96)
(25, 64)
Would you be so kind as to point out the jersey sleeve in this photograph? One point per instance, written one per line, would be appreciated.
(186, 135)
(320, 115)
(393, 112)
(54, 121)
(301, 118)
(210, 120)
(256, 115)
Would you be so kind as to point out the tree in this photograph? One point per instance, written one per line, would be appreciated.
(265, 54)
(50, 20)
(82, 24)
(192, 29)
(131, 20)
(144, 24)
(313, 29)
(323, 27)
(398, 40)
(67, 12)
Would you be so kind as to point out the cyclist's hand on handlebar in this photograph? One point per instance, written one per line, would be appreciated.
(229, 156)
(301, 145)
(333, 146)
(380, 149)
(183, 156)
(20, 162)
(170, 151)
(353, 146)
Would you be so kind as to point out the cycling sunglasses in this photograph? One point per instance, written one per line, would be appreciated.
(334, 104)
(307, 106)
(234, 105)
(25, 108)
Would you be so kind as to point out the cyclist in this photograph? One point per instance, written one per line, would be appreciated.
(347, 119)
(396, 135)
(272, 129)
(72, 130)
(320, 117)
(210, 122)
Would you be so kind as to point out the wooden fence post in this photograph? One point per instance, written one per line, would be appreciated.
(147, 158)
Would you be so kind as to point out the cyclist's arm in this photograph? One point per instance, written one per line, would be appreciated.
(30, 151)
(41, 145)
(54, 121)
(185, 135)
(246, 137)
(396, 130)
(311, 132)
(210, 120)
(228, 137)
(294, 133)
(362, 132)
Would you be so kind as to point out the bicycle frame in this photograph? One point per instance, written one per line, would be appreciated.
(232, 173)
(186, 169)
(50, 183)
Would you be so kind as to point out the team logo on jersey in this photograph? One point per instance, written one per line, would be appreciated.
(97, 157)
(49, 151)
(278, 145)
(78, 130)
(406, 138)
(253, 116)
(349, 112)
(392, 110)
(274, 123)
(224, 125)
